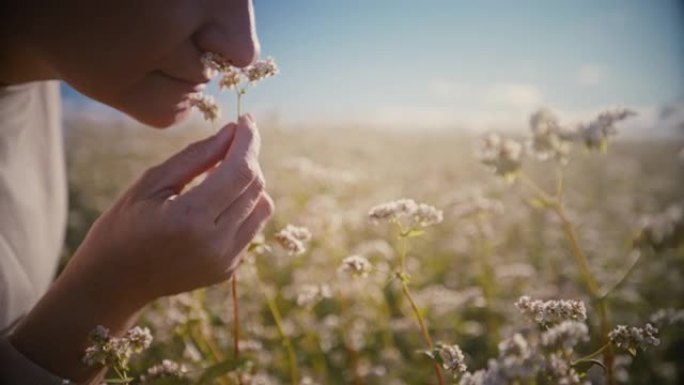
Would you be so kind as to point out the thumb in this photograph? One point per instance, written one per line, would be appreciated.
(169, 177)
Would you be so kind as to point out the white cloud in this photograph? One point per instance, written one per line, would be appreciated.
(514, 95)
(447, 89)
(590, 74)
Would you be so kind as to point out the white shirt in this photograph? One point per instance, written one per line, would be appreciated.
(33, 197)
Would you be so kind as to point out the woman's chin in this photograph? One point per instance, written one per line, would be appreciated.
(161, 118)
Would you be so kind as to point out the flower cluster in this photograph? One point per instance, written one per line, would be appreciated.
(503, 156)
(166, 369)
(406, 213)
(206, 104)
(115, 351)
(633, 337)
(548, 140)
(552, 311)
(293, 239)
(356, 266)
(595, 134)
(662, 230)
(231, 78)
(450, 357)
(310, 295)
(565, 336)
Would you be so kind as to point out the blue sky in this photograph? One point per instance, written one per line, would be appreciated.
(477, 63)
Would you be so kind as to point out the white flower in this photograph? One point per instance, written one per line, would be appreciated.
(356, 266)
(310, 295)
(407, 213)
(231, 78)
(504, 156)
(450, 357)
(206, 104)
(261, 69)
(595, 134)
(166, 369)
(632, 337)
(553, 311)
(566, 335)
(293, 239)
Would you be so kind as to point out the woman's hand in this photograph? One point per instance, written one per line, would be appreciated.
(157, 239)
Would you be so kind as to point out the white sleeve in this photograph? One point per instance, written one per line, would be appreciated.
(16, 369)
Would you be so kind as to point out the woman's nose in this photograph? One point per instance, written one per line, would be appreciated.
(231, 32)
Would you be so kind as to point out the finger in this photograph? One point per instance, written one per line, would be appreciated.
(232, 177)
(251, 226)
(240, 209)
(172, 175)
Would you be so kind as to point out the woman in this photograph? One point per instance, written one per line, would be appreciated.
(143, 58)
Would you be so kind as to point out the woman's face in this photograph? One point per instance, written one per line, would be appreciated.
(142, 56)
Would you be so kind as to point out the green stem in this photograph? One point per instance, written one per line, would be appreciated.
(558, 207)
(273, 308)
(239, 92)
(236, 317)
(416, 312)
(591, 355)
(122, 375)
(624, 277)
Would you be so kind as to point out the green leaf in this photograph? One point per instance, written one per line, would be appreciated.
(538, 203)
(632, 350)
(589, 363)
(414, 233)
(217, 370)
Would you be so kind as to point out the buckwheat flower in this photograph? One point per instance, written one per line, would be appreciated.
(206, 104)
(517, 360)
(214, 62)
(565, 336)
(632, 337)
(293, 238)
(356, 266)
(504, 156)
(668, 316)
(407, 213)
(310, 295)
(475, 378)
(427, 215)
(662, 230)
(139, 338)
(552, 311)
(166, 369)
(595, 134)
(547, 139)
(514, 346)
(114, 351)
(562, 372)
(450, 357)
(392, 211)
(261, 69)
(230, 78)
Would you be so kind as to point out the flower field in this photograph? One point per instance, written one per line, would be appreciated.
(549, 257)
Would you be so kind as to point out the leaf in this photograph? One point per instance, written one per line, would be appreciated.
(632, 350)
(414, 233)
(591, 362)
(219, 369)
(538, 203)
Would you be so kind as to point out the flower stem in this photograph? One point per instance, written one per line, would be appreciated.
(557, 206)
(591, 355)
(416, 312)
(236, 318)
(277, 318)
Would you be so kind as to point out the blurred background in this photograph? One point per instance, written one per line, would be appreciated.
(379, 100)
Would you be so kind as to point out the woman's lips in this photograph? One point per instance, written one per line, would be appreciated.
(191, 85)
